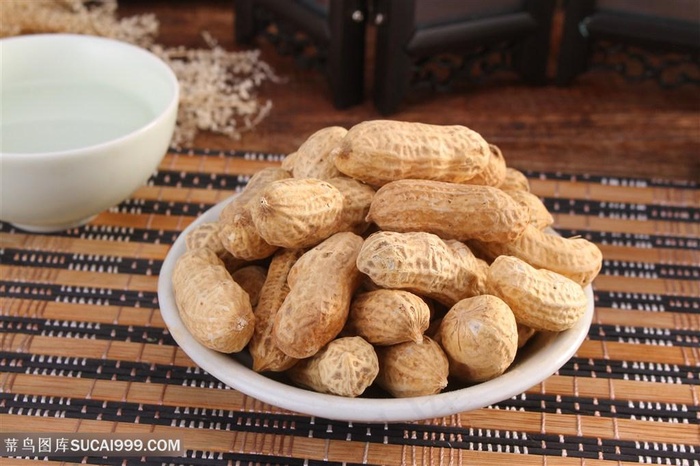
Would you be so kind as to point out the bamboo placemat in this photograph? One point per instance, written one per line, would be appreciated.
(84, 348)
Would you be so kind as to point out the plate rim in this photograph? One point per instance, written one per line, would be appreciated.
(232, 373)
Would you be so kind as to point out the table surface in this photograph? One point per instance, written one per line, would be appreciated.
(84, 347)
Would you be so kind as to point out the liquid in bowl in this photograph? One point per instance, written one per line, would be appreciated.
(62, 116)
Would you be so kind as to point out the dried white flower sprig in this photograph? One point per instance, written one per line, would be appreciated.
(76, 16)
(218, 88)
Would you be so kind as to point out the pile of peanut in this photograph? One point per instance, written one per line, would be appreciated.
(393, 253)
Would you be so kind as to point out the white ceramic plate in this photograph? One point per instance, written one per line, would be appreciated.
(540, 358)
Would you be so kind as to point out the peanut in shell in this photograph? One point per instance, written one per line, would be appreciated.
(449, 210)
(345, 367)
(213, 307)
(540, 299)
(387, 317)
(379, 151)
(412, 368)
(480, 338)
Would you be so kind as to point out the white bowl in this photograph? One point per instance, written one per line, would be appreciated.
(541, 357)
(85, 122)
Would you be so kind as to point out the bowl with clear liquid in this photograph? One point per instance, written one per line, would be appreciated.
(85, 121)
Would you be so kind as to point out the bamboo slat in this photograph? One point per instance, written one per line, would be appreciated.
(99, 314)
(648, 285)
(185, 195)
(616, 225)
(658, 320)
(75, 278)
(211, 165)
(615, 194)
(87, 247)
(661, 256)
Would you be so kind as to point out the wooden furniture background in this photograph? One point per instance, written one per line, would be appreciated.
(414, 31)
(665, 28)
(333, 29)
(438, 43)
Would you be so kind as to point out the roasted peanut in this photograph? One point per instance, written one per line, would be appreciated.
(316, 308)
(575, 258)
(449, 210)
(251, 191)
(251, 279)
(315, 158)
(345, 367)
(421, 263)
(357, 198)
(379, 151)
(213, 307)
(412, 368)
(495, 171)
(266, 356)
(288, 161)
(539, 216)
(540, 299)
(238, 234)
(297, 213)
(524, 334)
(388, 317)
(480, 338)
(482, 273)
(206, 235)
(240, 237)
(515, 180)
(428, 307)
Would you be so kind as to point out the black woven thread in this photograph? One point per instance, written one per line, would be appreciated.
(128, 371)
(630, 182)
(650, 270)
(603, 407)
(633, 240)
(147, 207)
(233, 153)
(216, 181)
(645, 335)
(78, 294)
(630, 370)
(647, 301)
(92, 330)
(110, 233)
(623, 211)
(80, 262)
